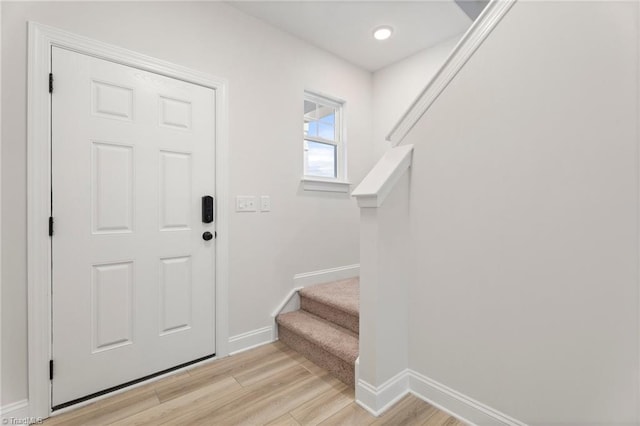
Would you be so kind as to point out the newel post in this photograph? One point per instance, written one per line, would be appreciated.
(385, 250)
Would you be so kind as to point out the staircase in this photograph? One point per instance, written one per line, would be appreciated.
(325, 329)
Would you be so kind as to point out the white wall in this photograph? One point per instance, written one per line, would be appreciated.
(396, 86)
(267, 72)
(524, 205)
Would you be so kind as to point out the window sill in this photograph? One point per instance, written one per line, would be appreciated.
(312, 184)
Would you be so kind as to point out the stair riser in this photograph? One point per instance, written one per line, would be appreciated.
(318, 355)
(331, 314)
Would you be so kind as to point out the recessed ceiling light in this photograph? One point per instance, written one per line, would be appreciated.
(382, 33)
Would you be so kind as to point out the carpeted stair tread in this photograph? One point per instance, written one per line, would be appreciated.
(331, 314)
(334, 339)
(343, 295)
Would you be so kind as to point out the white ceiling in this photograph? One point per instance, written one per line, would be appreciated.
(345, 27)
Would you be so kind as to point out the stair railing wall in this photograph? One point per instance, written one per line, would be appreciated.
(464, 50)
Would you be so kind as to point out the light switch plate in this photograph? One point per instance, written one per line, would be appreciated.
(265, 203)
(246, 203)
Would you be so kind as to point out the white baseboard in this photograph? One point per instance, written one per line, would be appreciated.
(326, 275)
(18, 411)
(250, 340)
(457, 404)
(377, 400)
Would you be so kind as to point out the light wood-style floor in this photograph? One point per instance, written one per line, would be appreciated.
(270, 385)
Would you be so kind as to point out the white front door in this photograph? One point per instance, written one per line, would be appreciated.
(133, 290)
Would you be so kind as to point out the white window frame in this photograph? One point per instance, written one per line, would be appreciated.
(340, 182)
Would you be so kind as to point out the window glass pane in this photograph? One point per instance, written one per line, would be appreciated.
(320, 159)
(328, 115)
(311, 128)
(326, 126)
(326, 131)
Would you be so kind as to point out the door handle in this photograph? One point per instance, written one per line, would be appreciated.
(207, 236)
(207, 209)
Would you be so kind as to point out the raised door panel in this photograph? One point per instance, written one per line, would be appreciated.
(112, 305)
(112, 186)
(175, 113)
(175, 294)
(175, 191)
(112, 101)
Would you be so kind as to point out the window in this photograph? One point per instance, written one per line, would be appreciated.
(324, 148)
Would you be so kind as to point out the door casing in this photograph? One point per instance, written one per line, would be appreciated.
(41, 39)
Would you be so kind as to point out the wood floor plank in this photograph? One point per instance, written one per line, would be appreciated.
(276, 404)
(313, 368)
(408, 411)
(351, 415)
(252, 395)
(108, 410)
(219, 392)
(285, 420)
(440, 418)
(201, 377)
(454, 422)
(324, 405)
(269, 407)
(185, 386)
(224, 365)
(256, 373)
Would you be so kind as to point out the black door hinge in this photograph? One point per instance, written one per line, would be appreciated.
(50, 82)
(50, 226)
(50, 369)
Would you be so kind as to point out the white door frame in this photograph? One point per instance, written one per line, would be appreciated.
(41, 39)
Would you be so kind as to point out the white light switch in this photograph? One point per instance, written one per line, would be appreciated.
(265, 203)
(245, 203)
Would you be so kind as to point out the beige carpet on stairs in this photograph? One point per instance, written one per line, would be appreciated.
(325, 329)
(337, 302)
